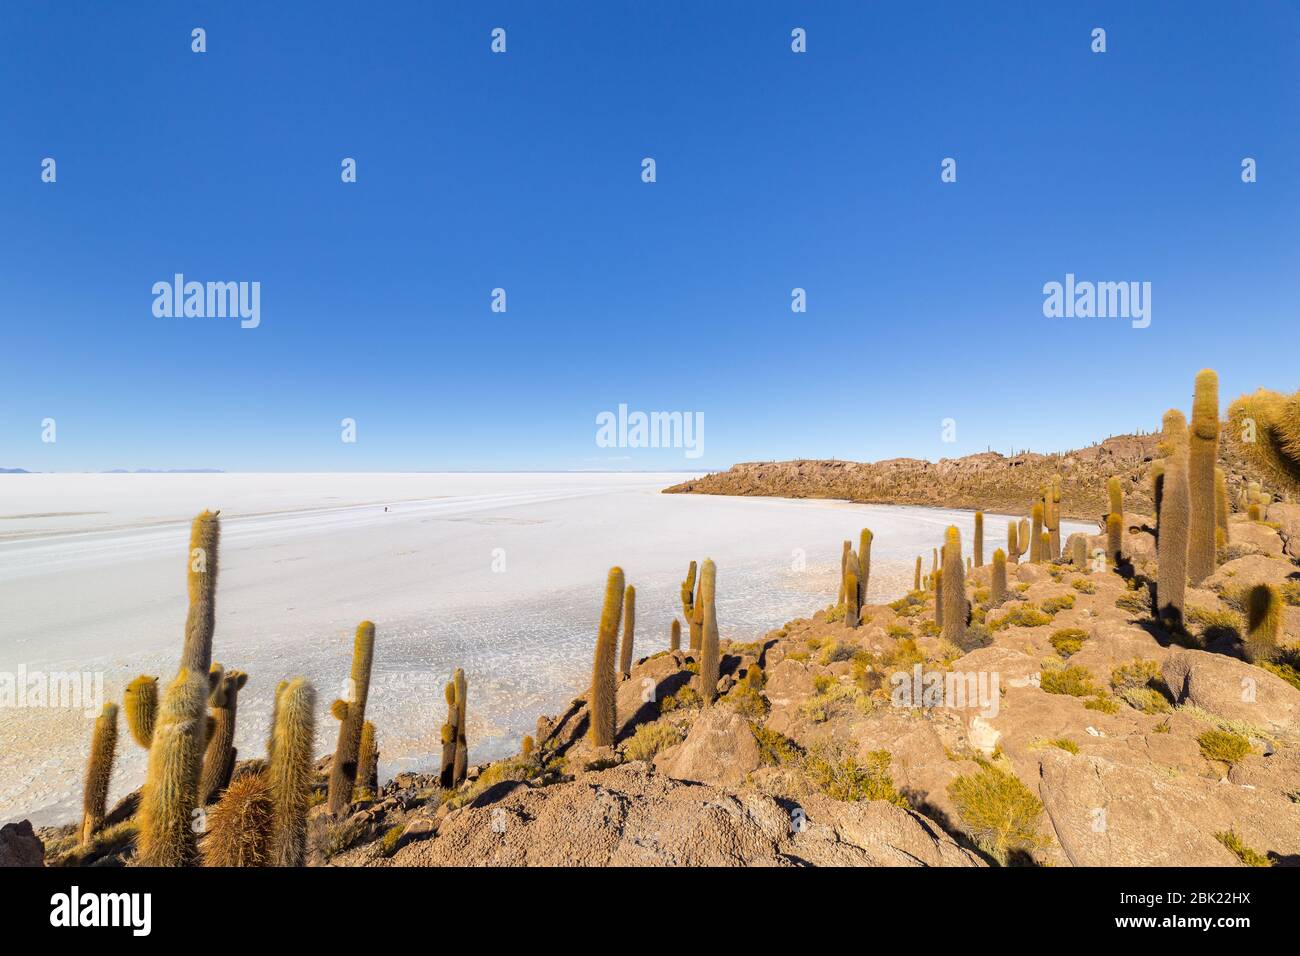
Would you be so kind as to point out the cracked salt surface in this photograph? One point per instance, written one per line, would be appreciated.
(305, 557)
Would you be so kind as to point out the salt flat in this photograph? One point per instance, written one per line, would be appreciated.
(501, 574)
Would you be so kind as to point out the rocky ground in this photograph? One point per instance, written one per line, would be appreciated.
(1108, 742)
(1100, 740)
(989, 480)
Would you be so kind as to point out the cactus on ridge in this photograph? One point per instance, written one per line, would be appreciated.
(691, 608)
(1263, 623)
(240, 825)
(1036, 541)
(201, 582)
(916, 575)
(1202, 456)
(979, 539)
(351, 714)
(629, 626)
(851, 605)
(954, 588)
(998, 579)
(1080, 557)
(709, 648)
(675, 636)
(864, 565)
(99, 770)
(603, 720)
(1171, 547)
(290, 773)
(367, 786)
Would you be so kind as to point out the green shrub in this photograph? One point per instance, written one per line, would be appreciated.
(1025, 615)
(1083, 586)
(1101, 702)
(833, 652)
(1055, 605)
(1146, 699)
(388, 845)
(903, 655)
(1068, 641)
(1075, 681)
(686, 697)
(775, 749)
(649, 739)
(1133, 602)
(899, 631)
(843, 778)
(1000, 813)
(1139, 673)
(1223, 746)
(1244, 853)
(836, 613)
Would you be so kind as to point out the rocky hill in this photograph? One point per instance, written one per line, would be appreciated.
(989, 480)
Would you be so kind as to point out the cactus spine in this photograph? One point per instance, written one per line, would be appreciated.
(141, 705)
(979, 539)
(351, 714)
(219, 761)
(99, 770)
(1263, 623)
(675, 636)
(954, 587)
(629, 625)
(1265, 426)
(1171, 548)
(1202, 455)
(603, 720)
(709, 650)
(290, 772)
(367, 765)
(170, 795)
(998, 579)
(864, 566)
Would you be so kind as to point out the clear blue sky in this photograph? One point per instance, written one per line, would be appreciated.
(522, 171)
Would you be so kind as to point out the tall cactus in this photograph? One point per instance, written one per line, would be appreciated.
(99, 770)
(450, 734)
(851, 604)
(290, 772)
(1052, 518)
(140, 701)
(938, 597)
(240, 825)
(709, 645)
(1202, 456)
(351, 714)
(979, 539)
(1115, 521)
(998, 579)
(629, 625)
(367, 765)
(864, 566)
(219, 760)
(690, 607)
(603, 719)
(170, 797)
(1036, 541)
(916, 575)
(201, 580)
(460, 752)
(675, 636)
(1022, 535)
(1014, 550)
(1263, 623)
(1171, 548)
(954, 588)
(275, 710)
(1157, 489)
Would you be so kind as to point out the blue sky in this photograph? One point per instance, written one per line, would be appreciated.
(523, 171)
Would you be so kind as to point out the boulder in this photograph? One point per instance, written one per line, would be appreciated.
(720, 749)
(20, 846)
(1237, 575)
(1232, 689)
